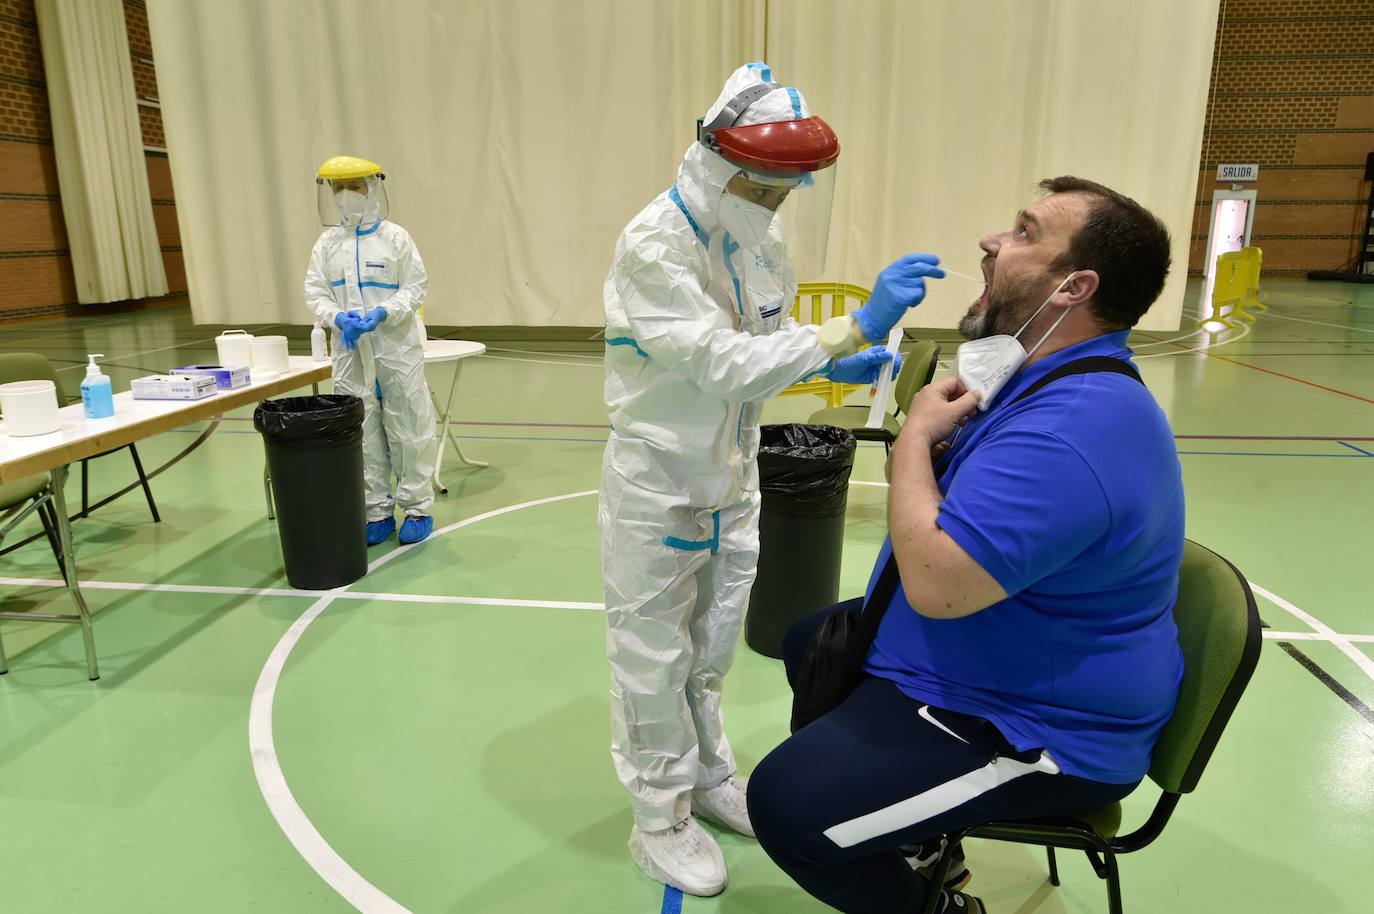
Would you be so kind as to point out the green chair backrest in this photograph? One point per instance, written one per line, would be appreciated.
(29, 366)
(918, 367)
(1219, 631)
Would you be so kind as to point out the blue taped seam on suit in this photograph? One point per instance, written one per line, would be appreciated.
(677, 199)
(729, 246)
(676, 542)
(626, 341)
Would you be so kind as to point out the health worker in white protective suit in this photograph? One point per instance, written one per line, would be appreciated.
(366, 280)
(698, 335)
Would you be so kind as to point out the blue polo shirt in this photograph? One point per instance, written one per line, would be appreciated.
(1073, 500)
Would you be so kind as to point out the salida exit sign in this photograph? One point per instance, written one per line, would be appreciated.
(1238, 171)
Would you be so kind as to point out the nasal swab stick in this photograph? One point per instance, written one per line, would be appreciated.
(964, 275)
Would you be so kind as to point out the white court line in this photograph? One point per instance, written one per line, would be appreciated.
(1285, 317)
(1245, 329)
(498, 358)
(1312, 636)
(1342, 642)
(294, 823)
(313, 594)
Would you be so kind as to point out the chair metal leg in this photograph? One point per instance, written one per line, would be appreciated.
(1054, 865)
(85, 488)
(1113, 885)
(4, 667)
(937, 878)
(143, 479)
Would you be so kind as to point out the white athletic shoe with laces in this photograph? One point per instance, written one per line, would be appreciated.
(684, 856)
(725, 804)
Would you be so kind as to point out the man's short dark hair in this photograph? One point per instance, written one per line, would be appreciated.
(1124, 243)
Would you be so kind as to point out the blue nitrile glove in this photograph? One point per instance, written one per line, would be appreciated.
(372, 319)
(899, 286)
(863, 366)
(351, 325)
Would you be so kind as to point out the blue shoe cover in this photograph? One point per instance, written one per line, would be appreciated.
(379, 530)
(416, 529)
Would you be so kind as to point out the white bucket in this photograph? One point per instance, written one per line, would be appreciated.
(30, 407)
(235, 348)
(269, 355)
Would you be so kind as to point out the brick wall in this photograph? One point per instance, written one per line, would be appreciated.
(38, 279)
(1293, 89)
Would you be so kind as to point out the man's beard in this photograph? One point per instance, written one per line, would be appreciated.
(971, 325)
(1003, 314)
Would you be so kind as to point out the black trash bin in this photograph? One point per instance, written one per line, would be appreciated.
(804, 480)
(315, 457)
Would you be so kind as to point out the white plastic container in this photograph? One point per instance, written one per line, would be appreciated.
(30, 407)
(270, 356)
(235, 347)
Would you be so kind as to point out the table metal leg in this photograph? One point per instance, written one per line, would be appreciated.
(64, 533)
(445, 434)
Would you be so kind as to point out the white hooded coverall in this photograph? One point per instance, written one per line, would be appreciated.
(698, 334)
(357, 269)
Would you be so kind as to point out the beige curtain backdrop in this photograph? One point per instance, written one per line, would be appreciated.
(99, 150)
(519, 136)
(950, 112)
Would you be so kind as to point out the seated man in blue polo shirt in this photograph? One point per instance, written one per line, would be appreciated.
(1028, 660)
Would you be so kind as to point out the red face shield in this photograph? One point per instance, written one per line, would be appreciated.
(778, 147)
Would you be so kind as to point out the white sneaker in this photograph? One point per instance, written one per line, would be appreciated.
(725, 804)
(684, 856)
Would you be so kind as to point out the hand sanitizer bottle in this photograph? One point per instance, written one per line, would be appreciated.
(97, 396)
(317, 350)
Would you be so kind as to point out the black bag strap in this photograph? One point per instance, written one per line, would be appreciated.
(1086, 365)
(883, 591)
(888, 578)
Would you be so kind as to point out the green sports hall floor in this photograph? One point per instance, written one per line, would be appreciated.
(434, 739)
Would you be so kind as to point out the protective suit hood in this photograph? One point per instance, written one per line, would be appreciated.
(703, 174)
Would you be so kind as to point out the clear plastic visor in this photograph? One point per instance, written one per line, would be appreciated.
(360, 202)
(805, 216)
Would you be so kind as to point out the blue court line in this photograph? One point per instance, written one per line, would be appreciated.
(1263, 454)
(230, 431)
(1273, 438)
(672, 900)
(1358, 451)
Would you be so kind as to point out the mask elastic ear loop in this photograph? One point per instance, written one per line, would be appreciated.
(1053, 326)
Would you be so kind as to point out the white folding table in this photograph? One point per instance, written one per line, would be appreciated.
(134, 420)
(454, 351)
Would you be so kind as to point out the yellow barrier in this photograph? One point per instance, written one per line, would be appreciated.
(1236, 288)
(839, 292)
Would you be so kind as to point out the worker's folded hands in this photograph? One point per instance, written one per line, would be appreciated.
(350, 323)
(900, 286)
(371, 319)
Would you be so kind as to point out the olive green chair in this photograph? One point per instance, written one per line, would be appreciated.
(1219, 631)
(18, 500)
(918, 367)
(30, 366)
